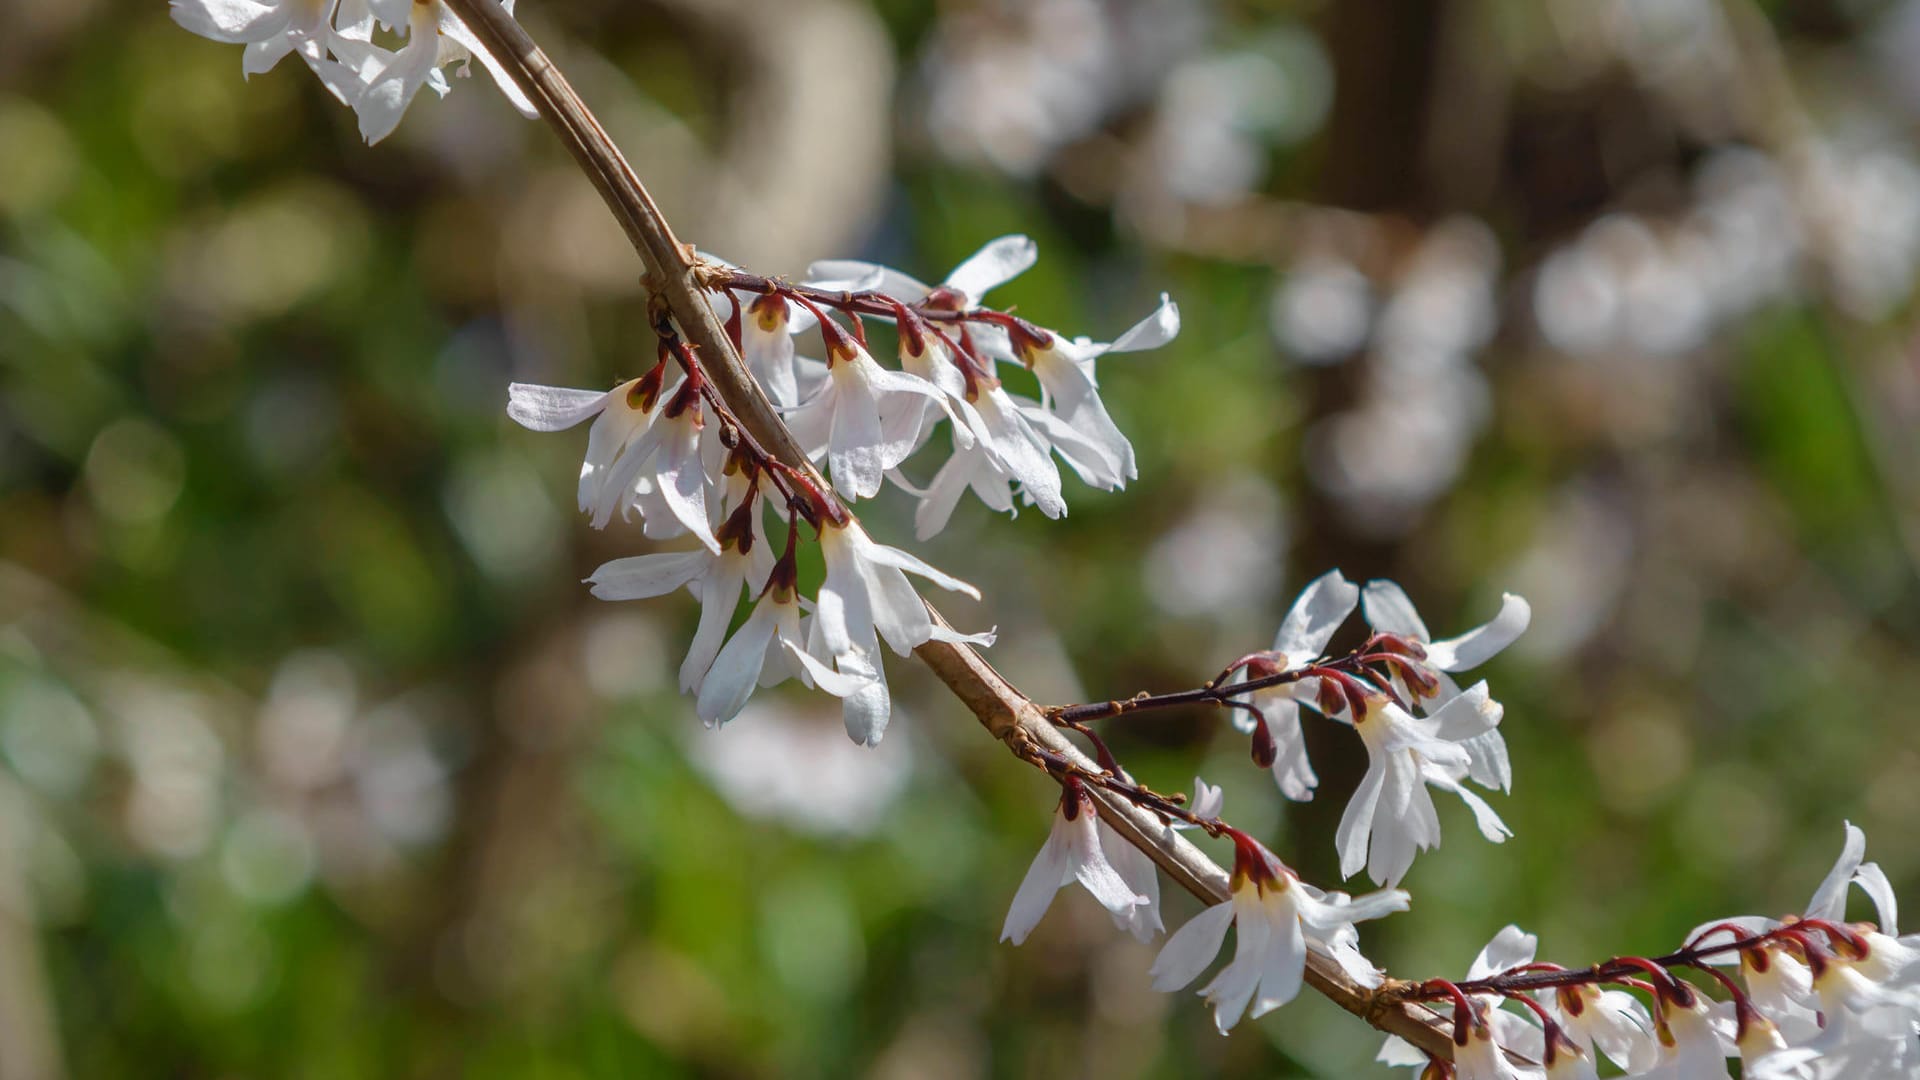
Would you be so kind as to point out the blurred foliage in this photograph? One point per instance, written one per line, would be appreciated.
(316, 759)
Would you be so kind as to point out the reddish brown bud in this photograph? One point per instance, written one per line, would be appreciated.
(1265, 750)
(1330, 697)
(1405, 646)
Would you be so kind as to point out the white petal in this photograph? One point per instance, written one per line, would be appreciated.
(1091, 868)
(983, 640)
(387, 96)
(683, 479)
(1874, 881)
(261, 56)
(854, 456)
(1292, 770)
(1398, 1051)
(943, 494)
(232, 21)
(866, 710)
(1208, 799)
(1830, 899)
(1323, 605)
(639, 577)
(1388, 610)
(1233, 987)
(1356, 822)
(1050, 868)
(1286, 961)
(851, 275)
(1191, 948)
(1477, 646)
(736, 671)
(833, 682)
(552, 408)
(997, 263)
(719, 595)
(1509, 949)
(1136, 868)
(1472, 713)
(1484, 815)
(1158, 328)
(899, 614)
(900, 560)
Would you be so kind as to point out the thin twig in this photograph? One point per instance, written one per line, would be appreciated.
(674, 273)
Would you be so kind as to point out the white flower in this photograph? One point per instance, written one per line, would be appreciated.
(1072, 853)
(1481, 1056)
(768, 325)
(768, 647)
(1279, 918)
(663, 468)
(1692, 1046)
(1066, 372)
(270, 29)
(1783, 986)
(1765, 1055)
(1613, 1021)
(1405, 754)
(618, 415)
(1318, 612)
(1389, 611)
(435, 38)
(866, 419)
(866, 593)
(636, 425)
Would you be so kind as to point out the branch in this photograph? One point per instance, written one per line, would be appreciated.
(1005, 712)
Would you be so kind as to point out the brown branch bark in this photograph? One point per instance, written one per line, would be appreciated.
(1000, 707)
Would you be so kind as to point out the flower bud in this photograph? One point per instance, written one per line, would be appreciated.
(1265, 749)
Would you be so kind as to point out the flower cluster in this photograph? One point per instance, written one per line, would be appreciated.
(663, 446)
(1419, 728)
(1818, 999)
(336, 40)
(864, 420)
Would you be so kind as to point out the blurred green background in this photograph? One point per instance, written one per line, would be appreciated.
(316, 760)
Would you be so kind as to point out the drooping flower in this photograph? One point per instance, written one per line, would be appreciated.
(866, 419)
(1279, 919)
(1318, 612)
(866, 596)
(1073, 852)
(1389, 611)
(1391, 817)
(619, 415)
(1693, 1044)
(767, 649)
(1065, 369)
(767, 329)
